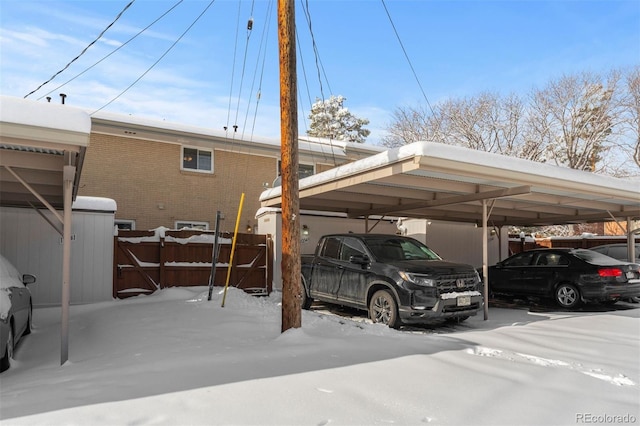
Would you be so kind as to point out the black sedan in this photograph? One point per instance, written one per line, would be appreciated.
(569, 276)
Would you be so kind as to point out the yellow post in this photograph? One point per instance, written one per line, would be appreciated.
(233, 249)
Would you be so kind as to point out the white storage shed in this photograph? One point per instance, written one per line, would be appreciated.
(35, 247)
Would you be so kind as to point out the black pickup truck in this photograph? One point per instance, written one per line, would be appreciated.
(397, 279)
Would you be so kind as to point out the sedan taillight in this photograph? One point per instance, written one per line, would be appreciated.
(610, 272)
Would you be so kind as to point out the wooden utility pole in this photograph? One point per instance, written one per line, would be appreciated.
(291, 291)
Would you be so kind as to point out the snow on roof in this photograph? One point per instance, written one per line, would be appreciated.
(305, 143)
(95, 204)
(510, 164)
(43, 114)
(160, 124)
(466, 158)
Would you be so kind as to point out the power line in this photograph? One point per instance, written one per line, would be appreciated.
(233, 66)
(304, 70)
(415, 75)
(159, 59)
(319, 70)
(319, 66)
(263, 43)
(244, 63)
(115, 50)
(83, 50)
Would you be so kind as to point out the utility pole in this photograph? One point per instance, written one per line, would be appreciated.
(291, 291)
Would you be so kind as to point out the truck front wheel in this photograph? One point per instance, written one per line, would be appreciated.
(383, 309)
(306, 301)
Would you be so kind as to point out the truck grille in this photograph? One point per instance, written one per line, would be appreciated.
(449, 283)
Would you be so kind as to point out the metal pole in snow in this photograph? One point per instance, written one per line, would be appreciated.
(233, 249)
(214, 255)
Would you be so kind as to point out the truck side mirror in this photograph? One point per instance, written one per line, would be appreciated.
(359, 259)
(28, 279)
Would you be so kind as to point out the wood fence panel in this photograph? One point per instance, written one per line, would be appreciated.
(565, 242)
(136, 268)
(145, 262)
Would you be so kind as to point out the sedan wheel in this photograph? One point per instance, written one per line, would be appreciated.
(10, 343)
(567, 296)
(383, 309)
(8, 353)
(27, 330)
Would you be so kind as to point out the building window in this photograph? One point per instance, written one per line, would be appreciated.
(304, 170)
(197, 159)
(126, 225)
(179, 224)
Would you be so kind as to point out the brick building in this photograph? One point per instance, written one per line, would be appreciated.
(171, 175)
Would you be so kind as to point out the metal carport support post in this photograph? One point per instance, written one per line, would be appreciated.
(631, 240)
(485, 261)
(68, 176)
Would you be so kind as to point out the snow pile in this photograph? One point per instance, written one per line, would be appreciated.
(175, 358)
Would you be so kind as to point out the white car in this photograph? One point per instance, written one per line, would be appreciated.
(15, 309)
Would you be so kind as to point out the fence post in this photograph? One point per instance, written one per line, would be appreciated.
(162, 256)
(115, 267)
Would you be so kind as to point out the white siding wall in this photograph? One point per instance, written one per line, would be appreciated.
(34, 247)
(458, 242)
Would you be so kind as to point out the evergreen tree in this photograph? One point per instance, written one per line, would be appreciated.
(330, 119)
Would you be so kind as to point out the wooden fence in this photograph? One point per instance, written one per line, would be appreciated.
(146, 261)
(516, 246)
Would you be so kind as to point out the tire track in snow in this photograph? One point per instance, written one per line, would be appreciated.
(616, 379)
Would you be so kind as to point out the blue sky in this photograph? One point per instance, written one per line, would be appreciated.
(210, 78)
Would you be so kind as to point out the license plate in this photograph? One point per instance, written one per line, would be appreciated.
(464, 300)
(630, 275)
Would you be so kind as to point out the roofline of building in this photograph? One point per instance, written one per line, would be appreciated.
(318, 150)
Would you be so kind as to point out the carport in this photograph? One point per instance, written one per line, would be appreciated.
(427, 180)
(42, 147)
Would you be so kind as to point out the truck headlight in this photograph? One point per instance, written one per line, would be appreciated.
(418, 279)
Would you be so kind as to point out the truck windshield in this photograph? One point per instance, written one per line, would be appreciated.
(389, 249)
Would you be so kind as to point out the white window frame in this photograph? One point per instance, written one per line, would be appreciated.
(199, 150)
(194, 224)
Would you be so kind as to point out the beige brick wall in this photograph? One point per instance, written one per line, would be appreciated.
(145, 180)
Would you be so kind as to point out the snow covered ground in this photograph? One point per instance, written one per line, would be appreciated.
(174, 358)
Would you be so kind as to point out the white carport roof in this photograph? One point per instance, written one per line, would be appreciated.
(42, 148)
(443, 182)
(37, 140)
